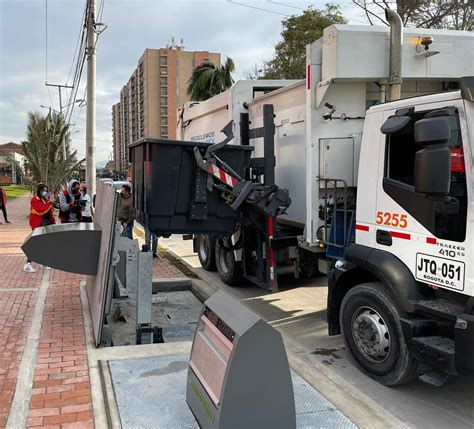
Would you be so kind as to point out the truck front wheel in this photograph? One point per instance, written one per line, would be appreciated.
(230, 270)
(206, 245)
(371, 328)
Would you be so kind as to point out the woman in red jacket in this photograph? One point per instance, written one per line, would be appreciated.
(41, 214)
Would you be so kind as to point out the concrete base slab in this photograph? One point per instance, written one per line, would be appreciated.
(176, 313)
(151, 392)
(171, 285)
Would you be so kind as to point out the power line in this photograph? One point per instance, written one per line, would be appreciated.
(286, 5)
(257, 8)
(46, 52)
(79, 38)
(81, 56)
(99, 125)
(101, 11)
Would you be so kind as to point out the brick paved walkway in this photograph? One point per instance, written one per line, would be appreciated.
(58, 393)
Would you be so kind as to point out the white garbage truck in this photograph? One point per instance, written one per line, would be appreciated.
(382, 192)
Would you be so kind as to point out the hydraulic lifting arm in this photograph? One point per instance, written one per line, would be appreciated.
(236, 190)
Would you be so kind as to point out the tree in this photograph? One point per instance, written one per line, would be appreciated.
(44, 154)
(208, 80)
(256, 71)
(298, 31)
(452, 15)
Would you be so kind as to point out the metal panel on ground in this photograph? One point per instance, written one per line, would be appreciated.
(97, 285)
(151, 393)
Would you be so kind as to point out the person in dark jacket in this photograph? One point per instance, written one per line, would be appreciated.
(70, 208)
(125, 214)
(3, 205)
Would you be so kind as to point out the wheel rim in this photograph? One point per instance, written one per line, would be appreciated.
(203, 248)
(371, 334)
(223, 261)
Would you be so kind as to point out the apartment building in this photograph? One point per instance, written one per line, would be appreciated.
(117, 141)
(149, 100)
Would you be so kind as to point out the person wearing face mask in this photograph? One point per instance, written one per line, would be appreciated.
(3, 204)
(125, 213)
(87, 211)
(41, 214)
(70, 203)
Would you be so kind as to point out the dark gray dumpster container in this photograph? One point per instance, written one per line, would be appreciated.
(164, 181)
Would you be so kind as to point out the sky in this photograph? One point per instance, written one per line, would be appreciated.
(38, 39)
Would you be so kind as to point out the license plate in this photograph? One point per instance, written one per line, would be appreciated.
(440, 271)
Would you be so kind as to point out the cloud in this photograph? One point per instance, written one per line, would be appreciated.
(244, 34)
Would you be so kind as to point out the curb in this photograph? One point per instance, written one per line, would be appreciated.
(355, 405)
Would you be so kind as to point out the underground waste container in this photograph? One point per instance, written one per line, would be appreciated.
(170, 192)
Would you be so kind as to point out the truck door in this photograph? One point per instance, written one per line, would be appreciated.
(426, 230)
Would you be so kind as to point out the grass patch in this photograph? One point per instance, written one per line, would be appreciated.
(15, 191)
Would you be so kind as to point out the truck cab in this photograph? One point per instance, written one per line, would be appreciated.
(404, 293)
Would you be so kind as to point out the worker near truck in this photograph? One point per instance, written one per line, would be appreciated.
(125, 213)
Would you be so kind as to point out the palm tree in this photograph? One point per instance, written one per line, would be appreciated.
(43, 151)
(208, 80)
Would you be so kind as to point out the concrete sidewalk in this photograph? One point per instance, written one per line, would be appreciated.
(45, 378)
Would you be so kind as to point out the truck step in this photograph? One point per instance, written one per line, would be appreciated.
(435, 351)
(440, 308)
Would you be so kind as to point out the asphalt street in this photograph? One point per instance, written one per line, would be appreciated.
(299, 311)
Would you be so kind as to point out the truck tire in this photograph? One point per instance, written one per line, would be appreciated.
(206, 250)
(372, 332)
(230, 271)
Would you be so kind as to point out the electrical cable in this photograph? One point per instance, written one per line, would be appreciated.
(257, 8)
(46, 52)
(286, 5)
(81, 32)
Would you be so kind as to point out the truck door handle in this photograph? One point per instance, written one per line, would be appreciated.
(383, 237)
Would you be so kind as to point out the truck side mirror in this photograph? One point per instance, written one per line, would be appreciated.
(433, 163)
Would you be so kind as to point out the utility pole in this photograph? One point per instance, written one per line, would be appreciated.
(63, 143)
(90, 117)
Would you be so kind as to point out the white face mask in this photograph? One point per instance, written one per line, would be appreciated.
(44, 193)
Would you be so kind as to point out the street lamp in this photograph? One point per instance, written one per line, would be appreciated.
(79, 100)
(81, 103)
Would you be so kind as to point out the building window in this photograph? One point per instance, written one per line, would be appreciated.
(164, 90)
(164, 71)
(164, 131)
(164, 101)
(164, 120)
(164, 111)
(164, 81)
(163, 61)
(206, 60)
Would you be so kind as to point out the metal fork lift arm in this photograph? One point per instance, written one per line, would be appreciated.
(236, 190)
(260, 203)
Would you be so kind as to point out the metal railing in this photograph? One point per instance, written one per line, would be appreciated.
(326, 182)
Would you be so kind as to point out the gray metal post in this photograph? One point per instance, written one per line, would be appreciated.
(144, 295)
(269, 144)
(90, 117)
(395, 64)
